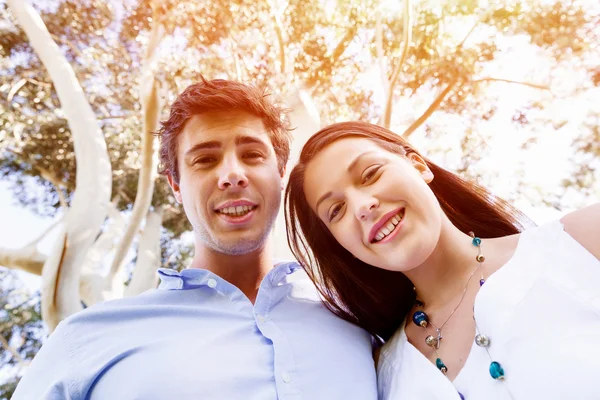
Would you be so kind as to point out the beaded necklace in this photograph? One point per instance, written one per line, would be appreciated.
(420, 318)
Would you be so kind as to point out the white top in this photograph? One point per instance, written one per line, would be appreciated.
(541, 311)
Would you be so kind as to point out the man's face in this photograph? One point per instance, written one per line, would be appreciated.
(229, 184)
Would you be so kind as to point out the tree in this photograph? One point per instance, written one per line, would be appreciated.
(432, 71)
(21, 328)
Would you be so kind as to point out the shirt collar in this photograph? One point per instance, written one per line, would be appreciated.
(171, 279)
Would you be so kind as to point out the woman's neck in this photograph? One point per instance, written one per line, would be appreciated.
(442, 278)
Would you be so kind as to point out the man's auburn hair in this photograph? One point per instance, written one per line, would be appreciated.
(215, 96)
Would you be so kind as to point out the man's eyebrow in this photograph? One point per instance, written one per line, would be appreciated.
(240, 140)
(203, 146)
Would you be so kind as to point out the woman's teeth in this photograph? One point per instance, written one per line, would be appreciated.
(237, 211)
(389, 227)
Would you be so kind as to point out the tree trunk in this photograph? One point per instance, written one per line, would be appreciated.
(96, 285)
(148, 256)
(406, 39)
(151, 106)
(305, 118)
(60, 277)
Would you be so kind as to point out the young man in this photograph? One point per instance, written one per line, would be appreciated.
(233, 326)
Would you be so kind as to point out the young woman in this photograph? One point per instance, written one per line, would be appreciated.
(471, 300)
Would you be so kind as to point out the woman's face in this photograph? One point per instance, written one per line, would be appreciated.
(377, 204)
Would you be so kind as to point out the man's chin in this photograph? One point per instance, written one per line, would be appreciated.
(241, 245)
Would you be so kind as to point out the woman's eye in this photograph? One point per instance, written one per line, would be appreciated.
(370, 173)
(336, 210)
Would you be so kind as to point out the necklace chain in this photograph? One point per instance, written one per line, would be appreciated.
(459, 303)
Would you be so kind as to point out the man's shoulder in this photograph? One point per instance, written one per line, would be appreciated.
(114, 310)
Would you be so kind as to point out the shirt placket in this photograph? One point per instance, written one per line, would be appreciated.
(284, 368)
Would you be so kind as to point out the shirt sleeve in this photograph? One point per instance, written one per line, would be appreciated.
(49, 376)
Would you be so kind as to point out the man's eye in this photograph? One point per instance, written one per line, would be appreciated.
(336, 210)
(253, 154)
(370, 173)
(204, 160)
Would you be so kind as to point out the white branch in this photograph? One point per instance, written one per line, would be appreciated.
(532, 85)
(27, 259)
(15, 89)
(60, 275)
(148, 258)
(151, 114)
(379, 48)
(279, 33)
(406, 39)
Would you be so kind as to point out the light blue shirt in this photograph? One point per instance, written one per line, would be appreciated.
(199, 337)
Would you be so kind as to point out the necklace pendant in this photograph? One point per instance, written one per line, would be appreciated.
(481, 282)
(441, 366)
(482, 340)
(420, 319)
(496, 371)
(432, 341)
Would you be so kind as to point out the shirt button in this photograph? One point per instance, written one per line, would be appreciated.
(260, 318)
(212, 283)
(286, 377)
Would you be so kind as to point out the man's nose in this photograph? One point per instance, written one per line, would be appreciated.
(232, 174)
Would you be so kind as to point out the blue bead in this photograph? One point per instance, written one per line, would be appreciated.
(496, 370)
(481, 282)
(420, 318)
(476, 241)
(461, 396)
(439, 363)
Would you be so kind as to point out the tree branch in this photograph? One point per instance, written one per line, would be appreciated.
(379, 48)
(343, 44)
(278, 28)
(334, 57)
(434, 106)
(532, 85)
(27, 259)
(407, 35)
(12, 351)
(144, 275)
(150, 116)
(15, 89)
(46, 231)
(47, 175)
(236, 61)
(469, 33)
(84, 219)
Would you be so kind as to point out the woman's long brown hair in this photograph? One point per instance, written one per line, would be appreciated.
(375, 299)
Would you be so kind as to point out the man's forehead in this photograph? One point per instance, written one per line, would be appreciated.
(222, 127)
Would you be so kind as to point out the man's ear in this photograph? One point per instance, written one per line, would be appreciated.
(174, 187)
(282, 175)
(421, 166)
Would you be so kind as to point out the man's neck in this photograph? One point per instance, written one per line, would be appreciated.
(245, 271)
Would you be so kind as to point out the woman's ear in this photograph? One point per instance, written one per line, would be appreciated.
(421, 166)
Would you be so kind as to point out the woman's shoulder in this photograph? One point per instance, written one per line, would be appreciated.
(391, 348)
(584, 226)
